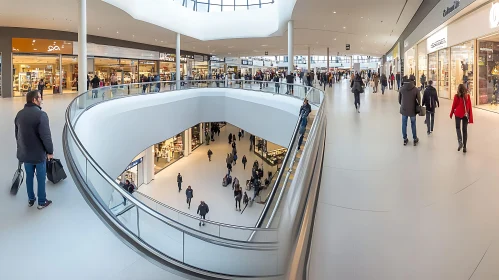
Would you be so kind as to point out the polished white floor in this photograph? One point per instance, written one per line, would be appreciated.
(66, 240)
(392, 212)
(205, 178)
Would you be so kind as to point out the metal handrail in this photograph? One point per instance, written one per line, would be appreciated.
(118, 188)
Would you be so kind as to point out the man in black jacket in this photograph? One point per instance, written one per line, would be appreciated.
(409, 97)
(430, 99)
(34, 146)
(203, 209)
(397, 77)
(179, 182)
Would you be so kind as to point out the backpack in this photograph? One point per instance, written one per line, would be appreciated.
(235, 157)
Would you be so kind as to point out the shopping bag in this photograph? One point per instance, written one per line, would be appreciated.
(17, 180)
(55, 171)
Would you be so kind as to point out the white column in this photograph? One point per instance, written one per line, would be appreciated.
(291, 66)
(308, 59)
(148, 165)
(201, 132)
(177, 62)
(82, 47)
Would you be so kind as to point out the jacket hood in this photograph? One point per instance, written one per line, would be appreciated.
(409, 85)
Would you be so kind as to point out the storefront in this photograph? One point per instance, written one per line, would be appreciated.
(462, 52)
(134, 172)
(270, 153)
(56, 62)
(196, 136)
(168, 152)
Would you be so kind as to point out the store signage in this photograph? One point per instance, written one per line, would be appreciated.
(216, 59)
(117, 52)
(450, 9)
(166, 57)
(494, 15)
(347, 47)
(134, 163)
(198, 58)
(437, 41)
(244, 62)
(257, 63)
(266, 53)
(32, 45)
(250, 62)
(233, 60)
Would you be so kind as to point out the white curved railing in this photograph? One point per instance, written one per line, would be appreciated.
(179, 241)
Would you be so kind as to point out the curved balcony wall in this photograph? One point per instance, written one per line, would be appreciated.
(210, 252)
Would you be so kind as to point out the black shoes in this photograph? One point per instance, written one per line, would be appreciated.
(464, 150)
(46, 204)
(460, 146)
(405, 142)
(31, 203)
(416, 141)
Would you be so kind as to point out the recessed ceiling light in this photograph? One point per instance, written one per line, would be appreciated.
(35, 49)
(361, 17)
(264, 45)
(34, 41)
(98, 28)
(366, 35)
(317, 42)
(334, 12)
(335, 39)
(161, 41)
(133, 35)
(362, 41)
(344, 27)
(117, 32)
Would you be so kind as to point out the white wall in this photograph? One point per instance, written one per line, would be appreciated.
(153, 118)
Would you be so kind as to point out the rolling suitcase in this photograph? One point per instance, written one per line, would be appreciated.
(17, 180)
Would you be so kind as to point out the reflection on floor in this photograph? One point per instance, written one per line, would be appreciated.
(205, 178)
(490, 107)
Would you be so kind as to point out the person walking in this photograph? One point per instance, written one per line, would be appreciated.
(462, 110)
(423, 81)
(277, 85)
(233, 140)
(240, 134)
(209, 154)
(189, 193)
(430, 101)
(357, 86)
(179, 182)
(238, 195)
(409, 97)
(244, 161)
(384, 83)
(392, 79)
(203, 209)
(129, 188)
(376, 82)
(230, 138)
(41, 87)
(245, 199)
(34, 146)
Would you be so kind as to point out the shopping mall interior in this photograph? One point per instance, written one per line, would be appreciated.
(139, 110)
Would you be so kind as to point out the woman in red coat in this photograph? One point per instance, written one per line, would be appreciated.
(461, 108)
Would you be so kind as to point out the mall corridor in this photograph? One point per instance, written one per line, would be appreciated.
(388, 211)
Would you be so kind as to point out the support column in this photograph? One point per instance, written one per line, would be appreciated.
(291, 58)
(327, 59)
(308, 60)
(82, 51)
(148, 165)
(177, 62)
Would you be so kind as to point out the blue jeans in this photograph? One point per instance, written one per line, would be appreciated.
(413, 127)
(300, 141)
(383, 89)
(41, 173)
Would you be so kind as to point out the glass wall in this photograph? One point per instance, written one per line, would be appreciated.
(129, 69)
(488, 73)
(196, 136)
(28, 70)
(105, 67)
(69, 74)
(462, 59)
(410, 62)
(432, 68)
(168, 152)
(443, 74)
(422, 62)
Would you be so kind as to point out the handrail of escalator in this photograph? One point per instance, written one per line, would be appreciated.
(187, 231)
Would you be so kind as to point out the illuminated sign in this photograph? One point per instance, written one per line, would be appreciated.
(494, 15)
(53, 48)
(437, 41)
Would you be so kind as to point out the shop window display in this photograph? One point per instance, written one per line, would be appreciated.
(443, 74)
(462, 59)
(168, 152)
(269, 152)
(69, 74)
(129, 70)
(196, 136)
(422, 62)
(105, 67)
(410, 62)
(432, 68)
(488, 74)
(29, 69)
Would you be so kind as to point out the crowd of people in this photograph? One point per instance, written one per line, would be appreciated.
(413, 103)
